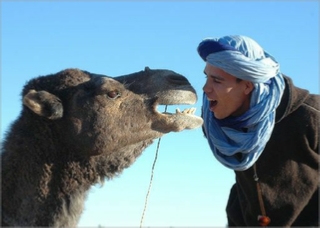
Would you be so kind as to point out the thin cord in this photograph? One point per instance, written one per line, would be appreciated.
(256, 178)
(263, 219)
(151, 179)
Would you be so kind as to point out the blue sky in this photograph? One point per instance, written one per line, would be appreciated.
(190, 188)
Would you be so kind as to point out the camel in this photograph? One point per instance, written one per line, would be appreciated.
(77, 129)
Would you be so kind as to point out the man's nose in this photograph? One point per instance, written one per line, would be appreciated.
(206, 87)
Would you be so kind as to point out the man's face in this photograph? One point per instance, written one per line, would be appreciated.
(227, 96)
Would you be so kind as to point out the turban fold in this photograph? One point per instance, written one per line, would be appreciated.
(239, 56)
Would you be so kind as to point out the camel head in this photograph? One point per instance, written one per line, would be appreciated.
(96, 114)
(77, 129)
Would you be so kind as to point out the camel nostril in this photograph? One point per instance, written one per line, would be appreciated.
(178, 79)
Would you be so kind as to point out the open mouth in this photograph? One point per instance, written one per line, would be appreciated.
(175, 116)
(212, 105)
(170, 110)
(175, 119)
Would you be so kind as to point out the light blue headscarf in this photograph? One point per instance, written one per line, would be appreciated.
(245, 59)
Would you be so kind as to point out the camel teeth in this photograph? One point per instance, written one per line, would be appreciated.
(190, 111)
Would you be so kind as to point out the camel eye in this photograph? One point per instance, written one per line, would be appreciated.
(113, 94)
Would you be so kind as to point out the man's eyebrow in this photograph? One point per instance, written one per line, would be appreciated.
(217, 77)
(214, 76)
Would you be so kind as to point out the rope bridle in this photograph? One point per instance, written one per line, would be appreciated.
(151, 179)
(263, 219)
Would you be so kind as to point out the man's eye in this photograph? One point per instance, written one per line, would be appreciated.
(113, 94)
(216, 80)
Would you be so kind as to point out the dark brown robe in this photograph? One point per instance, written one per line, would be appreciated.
(288, 168)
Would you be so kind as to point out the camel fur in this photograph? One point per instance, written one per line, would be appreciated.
(77, 129)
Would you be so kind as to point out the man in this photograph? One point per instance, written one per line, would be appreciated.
(265, 129)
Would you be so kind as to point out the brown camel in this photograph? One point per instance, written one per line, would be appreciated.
(77, 129)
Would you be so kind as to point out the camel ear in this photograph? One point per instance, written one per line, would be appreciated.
(44, 104)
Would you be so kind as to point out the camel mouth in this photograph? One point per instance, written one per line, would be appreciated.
(173, 110)
(188, 111)
(173, 119)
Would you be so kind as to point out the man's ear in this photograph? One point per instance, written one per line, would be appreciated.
(248, 87)
(44, 104)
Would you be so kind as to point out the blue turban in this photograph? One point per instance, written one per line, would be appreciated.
(239, 56)
(243, 58)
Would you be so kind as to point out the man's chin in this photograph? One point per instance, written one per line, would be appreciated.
(217, 116)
